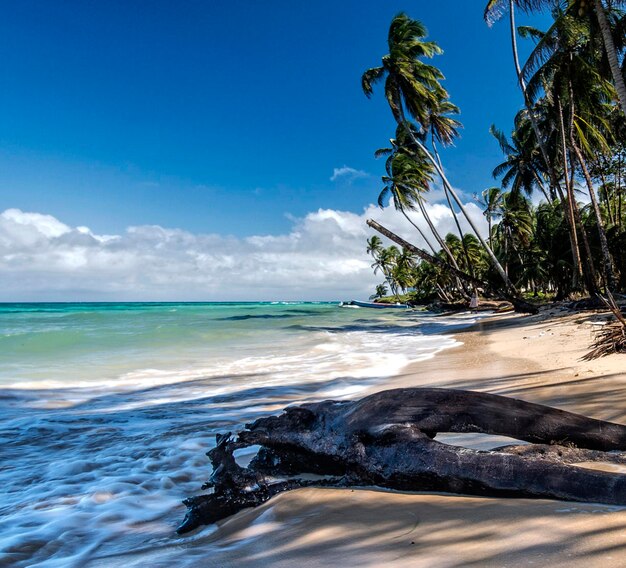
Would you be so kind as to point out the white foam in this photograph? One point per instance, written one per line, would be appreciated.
(106, 473)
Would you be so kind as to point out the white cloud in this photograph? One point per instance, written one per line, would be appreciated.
(322, 257)
(349, 174)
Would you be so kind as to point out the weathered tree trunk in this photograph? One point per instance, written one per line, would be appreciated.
(423, 254)
(387, 440)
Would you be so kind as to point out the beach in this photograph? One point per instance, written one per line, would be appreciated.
(148, 449)
(535, 358)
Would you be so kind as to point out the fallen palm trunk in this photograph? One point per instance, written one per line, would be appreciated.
(519, 304)
(387, 440)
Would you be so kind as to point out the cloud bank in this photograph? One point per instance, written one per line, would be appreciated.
(321, 258)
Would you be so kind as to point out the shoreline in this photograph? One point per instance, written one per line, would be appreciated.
(535, 358)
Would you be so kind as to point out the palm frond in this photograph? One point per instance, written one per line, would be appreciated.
(370, 78)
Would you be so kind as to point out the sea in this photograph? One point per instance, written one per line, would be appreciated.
(107, 410)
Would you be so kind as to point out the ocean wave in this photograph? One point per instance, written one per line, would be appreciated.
(98, 467)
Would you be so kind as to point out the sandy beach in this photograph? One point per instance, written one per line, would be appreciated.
(535, 358)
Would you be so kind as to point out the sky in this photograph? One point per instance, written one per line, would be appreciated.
(140, 141)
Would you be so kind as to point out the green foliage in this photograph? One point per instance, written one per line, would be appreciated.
(567, 146)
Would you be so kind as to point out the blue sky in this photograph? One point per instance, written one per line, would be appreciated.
(222, 117)
(212, 150)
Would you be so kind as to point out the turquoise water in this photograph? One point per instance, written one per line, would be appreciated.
(107, 410)
(60, 344)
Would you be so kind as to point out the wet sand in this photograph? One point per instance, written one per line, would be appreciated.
(533, 358)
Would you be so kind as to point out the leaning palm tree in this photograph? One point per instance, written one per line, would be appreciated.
(493, 12)
(520, 169)
(563, 61)
(396, 187)
(374, 245)
(380, 292)
(495, 9)
(413, 88)
(408, 178)
(493, 202)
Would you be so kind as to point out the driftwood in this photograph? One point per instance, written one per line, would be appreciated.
(388, 440)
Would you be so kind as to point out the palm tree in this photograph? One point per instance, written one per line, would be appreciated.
(468, 252)
(385, 261)
(410, 83)
(493, 12)
(495, 9)
(515, 229)
(564, 62)
(609, 45)
(403, 196)
(374, 245)
(492, 200)
(403, 270)
(408, 177)
(521, 169)
(380, 292)
(412, 87)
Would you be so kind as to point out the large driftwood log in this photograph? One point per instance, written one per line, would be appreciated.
(388, 440)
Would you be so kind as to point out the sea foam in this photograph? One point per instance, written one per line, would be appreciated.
(97, 465)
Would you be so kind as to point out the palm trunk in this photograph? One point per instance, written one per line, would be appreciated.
(542, 187)
(619, 192)
(611, 53)
(442, 293)
(508, 284)
(554, 182)
(604, 245)
(443, 245)
(430, 246)
(438, 238)
(454, 215)
(590, 272)
(607, 197)
(436, 234)
(578, 272)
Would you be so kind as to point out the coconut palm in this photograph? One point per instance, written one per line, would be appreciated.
(521, 169)
(385, 261)
(515, 229)
(401, 186)
(408, 177)
(410, 83)
(492, 201)
(374, 245)
(380, 292)
(596, 8)
(564, 62)
(588, 8)
(413, 89)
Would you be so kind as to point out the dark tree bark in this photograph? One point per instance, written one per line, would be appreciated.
(387, 440)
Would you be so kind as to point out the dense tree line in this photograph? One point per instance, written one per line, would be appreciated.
(557, 221)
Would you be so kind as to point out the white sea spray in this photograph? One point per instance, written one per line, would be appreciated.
(100, 447)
